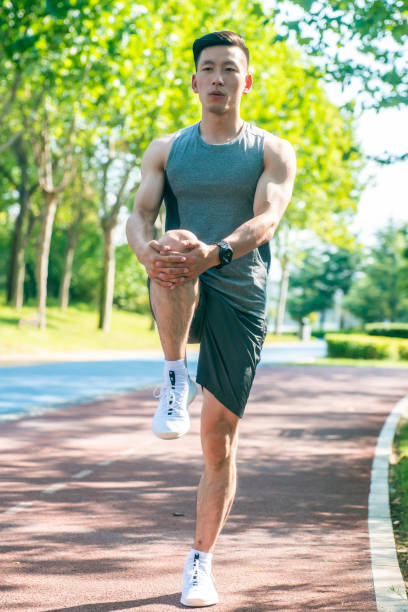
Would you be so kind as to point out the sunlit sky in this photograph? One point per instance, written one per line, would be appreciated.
(387, 198)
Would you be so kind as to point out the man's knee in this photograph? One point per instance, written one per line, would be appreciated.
(173, 239)
(219, 445)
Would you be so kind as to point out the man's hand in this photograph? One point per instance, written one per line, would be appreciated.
(199, 256)
(181, 257)
(163, 266)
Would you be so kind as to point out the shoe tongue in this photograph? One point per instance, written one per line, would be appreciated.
(172, 376)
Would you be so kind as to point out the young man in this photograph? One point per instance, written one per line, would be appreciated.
(226, 185)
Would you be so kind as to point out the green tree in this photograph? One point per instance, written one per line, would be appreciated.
(123, 71)
(361, 43)
(381, 291)
(314, 283)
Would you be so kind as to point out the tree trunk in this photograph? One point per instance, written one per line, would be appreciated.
(43, 255)
(283, 293)
(67, 273)
(15, 277)
(19, 292)
(108, 279)
(16, 256)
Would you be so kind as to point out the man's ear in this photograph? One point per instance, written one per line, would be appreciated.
(194, 83)
(248, 84)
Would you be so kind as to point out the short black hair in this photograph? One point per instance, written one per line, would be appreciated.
(225, 37)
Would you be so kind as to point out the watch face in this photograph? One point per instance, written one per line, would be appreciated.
(227, 255)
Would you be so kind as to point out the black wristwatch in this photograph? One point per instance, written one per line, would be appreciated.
(225, 254)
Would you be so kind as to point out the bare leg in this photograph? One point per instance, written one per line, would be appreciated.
(174, 309)
(216, 491)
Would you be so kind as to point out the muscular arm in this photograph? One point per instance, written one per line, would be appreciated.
(273, 194)
(139, 227)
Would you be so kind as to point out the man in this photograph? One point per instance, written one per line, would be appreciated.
(226, 185)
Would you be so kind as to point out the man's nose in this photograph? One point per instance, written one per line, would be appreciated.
(217, 78)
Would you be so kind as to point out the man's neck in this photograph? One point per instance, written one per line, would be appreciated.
(220, 129)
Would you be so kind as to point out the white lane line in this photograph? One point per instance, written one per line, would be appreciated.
(18, 507)
(128, 451)
(55, 487)
(106, 462)
(61, 485)
(389, 585)
(82, 474)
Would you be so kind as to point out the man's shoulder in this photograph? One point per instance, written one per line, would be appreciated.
(277, 147)
(168, 139)
(160, 146)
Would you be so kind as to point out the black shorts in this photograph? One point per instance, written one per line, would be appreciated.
(230, 347)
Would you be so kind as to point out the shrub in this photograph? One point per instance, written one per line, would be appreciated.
(358, 346)
(403, 351)
(394, 330)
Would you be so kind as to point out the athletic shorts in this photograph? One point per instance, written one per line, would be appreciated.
(230, 348)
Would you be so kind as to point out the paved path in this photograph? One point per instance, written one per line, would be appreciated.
(88, 498)
(34, 388)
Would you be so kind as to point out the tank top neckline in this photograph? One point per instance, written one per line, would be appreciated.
(223, 145)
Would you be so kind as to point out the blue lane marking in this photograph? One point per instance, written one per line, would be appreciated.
(34, 389)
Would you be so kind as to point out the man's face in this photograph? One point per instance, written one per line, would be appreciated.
(221, 78)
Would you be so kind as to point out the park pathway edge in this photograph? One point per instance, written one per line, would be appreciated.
(389, 587)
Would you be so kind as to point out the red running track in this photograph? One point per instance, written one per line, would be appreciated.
(108, 539)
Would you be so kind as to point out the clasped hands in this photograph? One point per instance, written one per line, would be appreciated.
(176, 258)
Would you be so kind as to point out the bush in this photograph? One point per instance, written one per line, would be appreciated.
(394, 330)
(358, 346)
(403, 351)
(321, 333)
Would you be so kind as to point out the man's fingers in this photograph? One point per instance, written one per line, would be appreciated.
(162, 283)
(155, 245)
(165, 261)
(190, 244)
(173, 272)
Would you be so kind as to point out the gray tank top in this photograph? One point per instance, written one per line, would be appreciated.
(209, 190)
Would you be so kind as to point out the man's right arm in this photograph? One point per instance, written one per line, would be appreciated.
(139, 227)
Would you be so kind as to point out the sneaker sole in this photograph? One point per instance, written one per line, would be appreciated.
(198, 603)
(192, 392)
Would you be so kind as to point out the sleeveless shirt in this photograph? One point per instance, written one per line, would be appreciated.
(209, 189)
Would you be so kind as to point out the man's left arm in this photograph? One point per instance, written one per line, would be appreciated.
(272, 196)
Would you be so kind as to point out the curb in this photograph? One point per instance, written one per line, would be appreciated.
(389, 587)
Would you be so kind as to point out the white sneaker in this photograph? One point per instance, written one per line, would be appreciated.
(198, 584)
(171, 419)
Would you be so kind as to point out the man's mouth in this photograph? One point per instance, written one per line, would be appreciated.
(217, 94)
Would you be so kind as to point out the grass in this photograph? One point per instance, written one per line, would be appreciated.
(360, 363)
(74, 330)
(273, 338)
(399, 496)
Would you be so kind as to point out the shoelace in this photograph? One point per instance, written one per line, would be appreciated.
(196, 570)
(171, 397)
